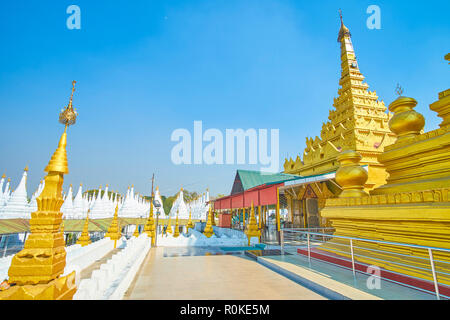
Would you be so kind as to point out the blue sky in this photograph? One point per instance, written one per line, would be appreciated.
(146, 68)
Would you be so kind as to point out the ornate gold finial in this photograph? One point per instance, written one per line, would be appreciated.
(68, 116)
(399, 90)
(350, 175)
(343, 31)
(26, 168)
(447, 57)
(4, 176)
(9, 179)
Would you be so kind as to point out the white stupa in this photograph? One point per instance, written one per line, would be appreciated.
(179, 205)
(67, 207)
(7, 192)
(129, 208)
(17, 204)
(102, 207)
(159, 199)
(199, 207)
(79, 207)
(2, 200)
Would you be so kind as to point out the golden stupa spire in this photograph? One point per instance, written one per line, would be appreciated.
(84, 239)
(209, 231)
(113, 230)
(252, 228)
(357, 122)
(189, 224)
(136, 231)
(149, 228)
(169, 227)
(176, 233)
(36, 270)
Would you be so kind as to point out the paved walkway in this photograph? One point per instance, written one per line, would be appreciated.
(216, 277)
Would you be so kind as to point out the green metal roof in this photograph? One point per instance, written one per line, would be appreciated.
(251, 179)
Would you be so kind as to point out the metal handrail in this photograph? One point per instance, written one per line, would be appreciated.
(371, 240)
(351, 239)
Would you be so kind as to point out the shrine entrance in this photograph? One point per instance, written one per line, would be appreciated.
(304, 201)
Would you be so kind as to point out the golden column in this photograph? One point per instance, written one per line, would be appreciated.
(150, 228)
(252, 227)
(36, 269)
(243, 217)
(209, 231)
(113, 230)
(189, 224)
(84, 239)
(176, 233)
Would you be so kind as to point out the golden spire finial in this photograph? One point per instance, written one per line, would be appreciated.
(26, 168)
(68, 116)
(4, 176)
(399, 89)
(343, 31)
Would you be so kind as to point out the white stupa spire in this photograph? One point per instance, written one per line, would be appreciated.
(179, 205)
(2, 200)
(67, 207)
(78, 204)
(17, 205)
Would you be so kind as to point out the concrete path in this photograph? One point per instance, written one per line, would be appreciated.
(216, 277)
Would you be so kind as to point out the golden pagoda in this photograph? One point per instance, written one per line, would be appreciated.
(209, 231)
(84, 239)
(252, 228)
(35, 272)
(149, 227)
(113, 231)
(189, 224)
(413, 206)
(358, 122)
(176, 233)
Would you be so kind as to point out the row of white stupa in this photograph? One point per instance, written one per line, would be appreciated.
(14, 205)
(198, 208)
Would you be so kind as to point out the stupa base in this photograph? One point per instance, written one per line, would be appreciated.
(62, 288)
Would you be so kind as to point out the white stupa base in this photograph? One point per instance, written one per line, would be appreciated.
(198, 239)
